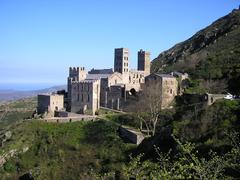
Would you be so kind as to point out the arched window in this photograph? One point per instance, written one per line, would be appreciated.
(88, 98)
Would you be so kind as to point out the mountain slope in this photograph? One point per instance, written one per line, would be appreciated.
(8, 95)
(223, 34)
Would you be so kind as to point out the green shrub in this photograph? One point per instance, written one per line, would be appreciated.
(9, 167)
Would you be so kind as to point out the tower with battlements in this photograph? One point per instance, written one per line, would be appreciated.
(76, 74)
(144, 61)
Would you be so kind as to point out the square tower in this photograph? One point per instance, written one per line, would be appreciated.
(144, 61)
(85, 96)
(76, 74)
(121, 60)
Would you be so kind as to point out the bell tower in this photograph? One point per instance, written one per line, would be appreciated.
(144, 61)
(121, 60)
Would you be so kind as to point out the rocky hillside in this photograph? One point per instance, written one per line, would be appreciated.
(222, 35)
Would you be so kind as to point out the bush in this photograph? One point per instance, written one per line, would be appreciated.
(9, 167)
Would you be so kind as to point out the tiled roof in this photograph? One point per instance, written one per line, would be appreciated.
(97, 76)
(101, 71)
(164, 75)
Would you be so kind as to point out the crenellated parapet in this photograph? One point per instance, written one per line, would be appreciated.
(77, 73)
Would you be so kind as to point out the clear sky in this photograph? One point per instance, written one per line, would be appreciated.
(40, 39)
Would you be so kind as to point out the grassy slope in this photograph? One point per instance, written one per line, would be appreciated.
(61, 151)
(14, 116)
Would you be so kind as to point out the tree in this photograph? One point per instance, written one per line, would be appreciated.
(148, 107)
(187, 164)
(214, 86)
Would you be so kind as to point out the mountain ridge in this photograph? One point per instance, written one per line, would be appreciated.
(11, 95)
(201, 44)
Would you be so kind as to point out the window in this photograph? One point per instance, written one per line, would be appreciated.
(115, 81)
(82, 97)
(78, 97)
(171, 91)
(88, 98)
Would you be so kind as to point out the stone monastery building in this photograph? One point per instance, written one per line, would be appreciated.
(114, 89)
(87, 91)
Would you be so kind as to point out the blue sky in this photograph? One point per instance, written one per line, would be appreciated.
(40, 39)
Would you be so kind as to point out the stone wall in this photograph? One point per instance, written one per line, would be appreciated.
(115, 97)
(68, 119)
(211, 98)
(169, 91)
(166, 85)
(48, 103)
(133, 136)
(85, 96)
(61, 114)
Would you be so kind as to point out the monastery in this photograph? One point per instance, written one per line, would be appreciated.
(110, 88)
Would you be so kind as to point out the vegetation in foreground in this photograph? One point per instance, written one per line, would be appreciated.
(66, 151)
(188, 144)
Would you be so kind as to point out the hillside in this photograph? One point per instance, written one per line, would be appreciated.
(94, 150)
(12, 112)
(212, 53)
(65, 151)
(78, 150)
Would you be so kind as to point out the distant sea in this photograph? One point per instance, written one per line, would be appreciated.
(25, 86)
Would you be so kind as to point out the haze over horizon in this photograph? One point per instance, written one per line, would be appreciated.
(39, 40)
